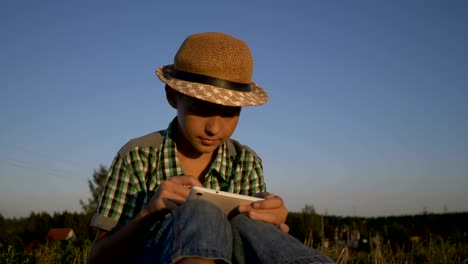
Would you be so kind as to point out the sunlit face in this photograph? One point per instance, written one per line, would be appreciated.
(203, 125)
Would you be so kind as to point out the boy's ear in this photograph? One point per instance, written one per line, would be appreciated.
(171, 96)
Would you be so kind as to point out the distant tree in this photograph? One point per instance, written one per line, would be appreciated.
(35, 226)
(96, 186)
(309, 209)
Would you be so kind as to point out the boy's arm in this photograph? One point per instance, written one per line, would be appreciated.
(122, 246)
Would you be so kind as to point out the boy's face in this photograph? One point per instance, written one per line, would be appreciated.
(204, 125)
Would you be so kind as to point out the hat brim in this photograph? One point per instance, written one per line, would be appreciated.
(213, 94)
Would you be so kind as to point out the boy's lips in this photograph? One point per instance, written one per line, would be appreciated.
(208, 142)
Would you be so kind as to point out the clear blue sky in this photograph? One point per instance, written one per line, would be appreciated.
(368, 111)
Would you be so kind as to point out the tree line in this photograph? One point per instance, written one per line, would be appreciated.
(23, 231)
(399, 230)
(304, 225)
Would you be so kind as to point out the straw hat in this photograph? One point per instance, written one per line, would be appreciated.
(214, 67)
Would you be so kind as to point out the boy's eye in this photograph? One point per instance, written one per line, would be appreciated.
(213, 109)
(230, 112)
(200, 111)
(204, 108)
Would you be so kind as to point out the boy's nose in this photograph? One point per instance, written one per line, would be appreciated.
(213, 125)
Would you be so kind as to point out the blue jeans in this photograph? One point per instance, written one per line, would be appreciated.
(200, 229)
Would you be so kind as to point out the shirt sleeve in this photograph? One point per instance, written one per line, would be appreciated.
(253, 180)
(118, 199)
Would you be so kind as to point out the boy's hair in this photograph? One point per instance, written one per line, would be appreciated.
(171, 94)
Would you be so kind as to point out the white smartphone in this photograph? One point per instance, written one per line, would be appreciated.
(225, 200)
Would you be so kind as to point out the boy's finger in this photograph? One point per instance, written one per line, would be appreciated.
(182, 190)
(284, 228)
(265, 217)
(186, 180)
(271, 203)
(245, 208)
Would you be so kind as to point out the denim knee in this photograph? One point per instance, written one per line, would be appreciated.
(201, 229)
(266, 243)
(197, 207)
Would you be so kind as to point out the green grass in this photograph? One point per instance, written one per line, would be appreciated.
(51, 252)
(433, 250)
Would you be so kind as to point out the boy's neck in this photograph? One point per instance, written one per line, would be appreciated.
(193, 162)
(195, 166)
(195, 156)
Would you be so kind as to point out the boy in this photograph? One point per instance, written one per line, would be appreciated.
(143, 215)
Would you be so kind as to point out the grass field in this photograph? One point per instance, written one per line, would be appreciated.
(434, 250)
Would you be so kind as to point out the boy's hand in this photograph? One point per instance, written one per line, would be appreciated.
(171, 194)
(271, 210)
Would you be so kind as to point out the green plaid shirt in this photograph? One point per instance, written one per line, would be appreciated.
(143, 164)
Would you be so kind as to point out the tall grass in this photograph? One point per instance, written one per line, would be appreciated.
(51, 252)
(433, 250)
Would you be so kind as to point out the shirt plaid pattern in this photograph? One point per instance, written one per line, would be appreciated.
(136, 174)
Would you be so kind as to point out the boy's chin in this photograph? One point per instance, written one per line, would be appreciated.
(203, 149)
